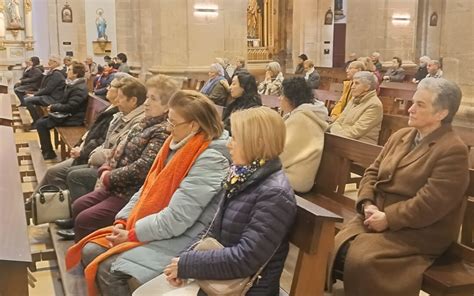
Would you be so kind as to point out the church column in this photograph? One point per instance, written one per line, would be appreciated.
(2, 25)
(28, 25)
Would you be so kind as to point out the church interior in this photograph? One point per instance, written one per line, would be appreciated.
(169, 147)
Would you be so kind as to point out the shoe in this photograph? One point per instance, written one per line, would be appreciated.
(28, 204)
(67, 234)
(65, 223)
(49, 155)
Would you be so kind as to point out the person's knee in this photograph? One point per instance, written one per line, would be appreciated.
(90, 251)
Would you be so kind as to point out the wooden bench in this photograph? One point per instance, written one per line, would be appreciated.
(450, 274)
(68, 136)
(15, 251)
(397, 97)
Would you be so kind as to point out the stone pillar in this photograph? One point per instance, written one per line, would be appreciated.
(2, 25)
(28, 25)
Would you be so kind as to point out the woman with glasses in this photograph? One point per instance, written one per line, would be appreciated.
(176, 202)
(125, 169)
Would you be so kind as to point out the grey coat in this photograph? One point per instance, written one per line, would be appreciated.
(190, 210)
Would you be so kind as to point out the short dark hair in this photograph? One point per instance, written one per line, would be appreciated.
(123, 57)
(79, 69)
(35, 61)
(132, 87)
(303, 57)
(399, 61)
(107, 58)
(297, 91)
(249, 84)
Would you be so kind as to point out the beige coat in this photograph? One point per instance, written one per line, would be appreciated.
(304, 143)
(361, 119)
(422, 192)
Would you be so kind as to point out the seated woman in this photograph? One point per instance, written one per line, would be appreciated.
(243, 92)
(362, 117)
(30, 81)
(299, 66)
(346, 96)
(174, 205)
(102, 82)
(216, 88)
(396, 73)
(410, 200)
(72, 106)
(125, 170)
(256, 211)
(302, 153)
(82, 180)
(273, 80)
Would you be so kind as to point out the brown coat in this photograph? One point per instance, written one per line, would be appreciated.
(422, 192)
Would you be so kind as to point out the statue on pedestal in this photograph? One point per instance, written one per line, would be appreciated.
(13, 15)
(101, 24)
(253, 11)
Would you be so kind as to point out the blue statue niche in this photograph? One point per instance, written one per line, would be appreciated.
(101, 24)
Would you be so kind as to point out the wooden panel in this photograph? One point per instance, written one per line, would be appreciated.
(6, 117)
(37, 159)
(13, 278)
(271, 101)
(95, 105)
(339, 46)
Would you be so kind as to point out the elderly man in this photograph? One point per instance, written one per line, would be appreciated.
(376, 60)
(362, 117)
(434, 69)
(51, 89)
(422, 69)
(311, 75)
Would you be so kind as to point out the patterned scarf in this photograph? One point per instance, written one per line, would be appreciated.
(238, 175)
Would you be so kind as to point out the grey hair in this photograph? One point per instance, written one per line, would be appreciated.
(425, 59)
(447, 95)
(217, 68)
(367, 78)
(435, 62)
(274, 67)
(376, 54)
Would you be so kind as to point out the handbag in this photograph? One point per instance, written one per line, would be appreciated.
(59, 117)
(231, 287)
(50, 203)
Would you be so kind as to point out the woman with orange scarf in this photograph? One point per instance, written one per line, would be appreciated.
(174, 205)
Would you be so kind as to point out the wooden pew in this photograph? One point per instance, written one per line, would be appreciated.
(329, 97)
(450, 274)
(6, 116)
(15, 250)
(397, 96)
(68, 136)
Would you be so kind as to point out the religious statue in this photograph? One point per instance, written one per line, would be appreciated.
(101, 24)
(338, 10)
(253, 11)
(13, 14)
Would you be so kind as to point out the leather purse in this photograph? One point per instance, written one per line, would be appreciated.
(49, 204)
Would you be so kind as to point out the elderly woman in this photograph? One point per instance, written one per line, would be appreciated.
(302, 153)
(410, 200)
(255, 214)
(396, 73)
(216, 88)
(243, 91)
(362, 117)
(375, 57)
(422, 69)
(125, 170)
(346, 96)
(174, 205)
(273, 80)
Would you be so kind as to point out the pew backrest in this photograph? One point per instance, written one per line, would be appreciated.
(95, 105)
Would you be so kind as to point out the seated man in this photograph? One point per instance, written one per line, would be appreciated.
(51, 90)
(72, 106)
(122, 62)
(103, 81)
(396, 73)
(410, 201)
(30, 80)
(311, 75)
(67, 61)
(434, 69)
(362, 117)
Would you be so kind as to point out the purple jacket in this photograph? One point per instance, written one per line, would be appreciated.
(250, 225)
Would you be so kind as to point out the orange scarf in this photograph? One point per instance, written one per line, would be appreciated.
(160, 185)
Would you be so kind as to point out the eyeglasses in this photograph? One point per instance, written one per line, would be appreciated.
(174, 125)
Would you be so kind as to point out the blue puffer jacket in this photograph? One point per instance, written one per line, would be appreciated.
(251, 225)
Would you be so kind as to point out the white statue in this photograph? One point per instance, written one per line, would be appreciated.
(13, 13)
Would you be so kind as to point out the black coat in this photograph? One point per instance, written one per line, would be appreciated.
(73, 101)
(421, 73)
(52, 86)
(96, 135)
(250, 225)
(238, 104)
(31, 79)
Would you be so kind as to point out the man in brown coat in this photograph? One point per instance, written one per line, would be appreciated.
(410, 202)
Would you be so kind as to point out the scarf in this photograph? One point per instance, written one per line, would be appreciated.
(160, 184)
(238, 175)
(207, 88)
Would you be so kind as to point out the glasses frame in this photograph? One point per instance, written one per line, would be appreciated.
(173, 125)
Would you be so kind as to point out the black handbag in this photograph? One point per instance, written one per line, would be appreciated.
(59, 117)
